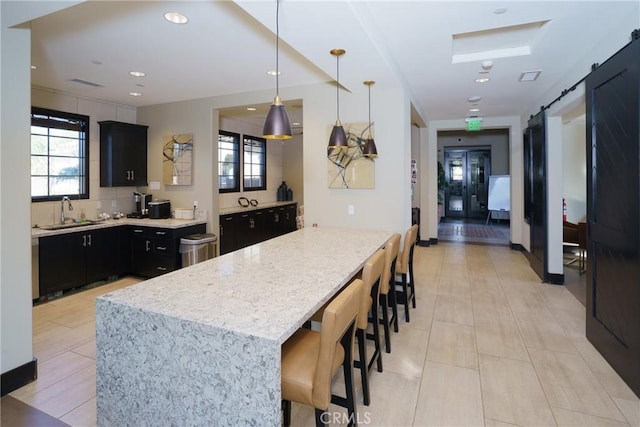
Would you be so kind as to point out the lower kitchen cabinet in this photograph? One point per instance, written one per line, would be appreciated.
(75, 259)
(156, 251)
(242, 229)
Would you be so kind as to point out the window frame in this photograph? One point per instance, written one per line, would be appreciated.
(83, 155)
(253, 139)
(236, 174)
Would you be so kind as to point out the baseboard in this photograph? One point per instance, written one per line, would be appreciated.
(517, 247)
(424, 243)
(20, 376)
(555, 279)
(433, 241)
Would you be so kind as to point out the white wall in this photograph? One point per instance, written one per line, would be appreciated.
(15, 199)
(293, 167)
(101, 199)
(415, 155)
(574, 169)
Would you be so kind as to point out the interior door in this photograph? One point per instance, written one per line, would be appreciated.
(613, 211)
(467, 173)
(537, 180)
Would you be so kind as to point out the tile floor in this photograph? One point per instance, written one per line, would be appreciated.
(488, 344)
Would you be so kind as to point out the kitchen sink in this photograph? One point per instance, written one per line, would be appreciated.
(69, 225)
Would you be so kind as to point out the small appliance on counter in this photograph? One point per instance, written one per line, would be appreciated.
(140, 205)
(160, 209)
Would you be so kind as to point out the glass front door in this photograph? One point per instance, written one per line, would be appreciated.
(467, 173)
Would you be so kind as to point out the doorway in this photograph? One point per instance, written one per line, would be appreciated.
(467, 173)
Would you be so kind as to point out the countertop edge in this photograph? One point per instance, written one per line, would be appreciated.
(157, 223)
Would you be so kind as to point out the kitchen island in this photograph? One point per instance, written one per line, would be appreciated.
(201, 345)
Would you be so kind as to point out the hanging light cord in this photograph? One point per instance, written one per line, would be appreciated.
(369, 109)
(277, 48)
(338, 86)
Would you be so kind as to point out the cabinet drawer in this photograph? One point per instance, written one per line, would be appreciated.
(163, 247)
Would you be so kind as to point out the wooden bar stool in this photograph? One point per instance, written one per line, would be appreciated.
(311, 359)
(369, 304)
(387, 280)
(405, 289)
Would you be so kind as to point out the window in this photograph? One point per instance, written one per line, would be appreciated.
(228, 162)
(59, 155)
(255, 163)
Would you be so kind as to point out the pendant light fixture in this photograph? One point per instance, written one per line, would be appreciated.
(276, 125)
(338, 138)
(370, 149)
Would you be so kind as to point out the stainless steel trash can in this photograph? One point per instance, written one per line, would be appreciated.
(196, 248)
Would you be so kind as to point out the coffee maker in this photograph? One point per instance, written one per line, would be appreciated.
(140, 205)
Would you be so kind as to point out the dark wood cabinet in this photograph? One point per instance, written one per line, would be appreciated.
(123, 154)
(75, 259)
(156, 251)
(242, 229)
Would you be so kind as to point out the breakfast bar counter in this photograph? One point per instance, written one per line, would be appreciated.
(201, 345)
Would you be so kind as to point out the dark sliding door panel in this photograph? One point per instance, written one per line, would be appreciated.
(537, 181)
(613, 211)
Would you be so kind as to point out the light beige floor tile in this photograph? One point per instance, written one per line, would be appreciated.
(605, 374)
(82, 416)
(577, 419)
(408, 352)
(453, 344)
(499, 336)
(543, 332)
(560, 298)
(65, 395)
(488, 422)
(574, 325)
(511, 392)
(88, 349)
(520, 301)
(458, 287)
(569, 384)
(449, 396)
(53, 371)
(63, 340)
(453, 310)
(393, 400)
(630, 409)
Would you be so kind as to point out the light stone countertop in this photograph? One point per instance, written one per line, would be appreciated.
(266, 290)
(236, 209)
(146, 222)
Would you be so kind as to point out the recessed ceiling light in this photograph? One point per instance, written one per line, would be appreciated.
(500, 10)
(483, 72)
(251, 108)
(482, 79)
(295, 123)
(474, 98)
(137, 73)
(474, 110)
(96, 62)
(274, 72)
(135, 94)
(33, 67)
(175, 18)
(529, 76)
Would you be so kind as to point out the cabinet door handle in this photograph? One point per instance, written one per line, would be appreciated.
(133, 175)
(147, 245)
(277, 218)
(162, 268)
(84, 240)
(162, 248)
(161, 233)
(287, 215)
(221, 231)
(89, 240)
(137, 230)
(252, 223)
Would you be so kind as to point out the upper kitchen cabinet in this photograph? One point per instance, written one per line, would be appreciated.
(123, 154)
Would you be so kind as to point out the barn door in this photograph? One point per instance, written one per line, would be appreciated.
(536, 180)
(613, 211)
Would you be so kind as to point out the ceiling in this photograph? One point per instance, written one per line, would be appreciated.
(434, 49)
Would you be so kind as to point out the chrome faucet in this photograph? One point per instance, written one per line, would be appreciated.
(62, 218)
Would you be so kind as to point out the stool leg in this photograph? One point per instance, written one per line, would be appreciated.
(349, 382)
(286, 407)
(405, 293)
(319, 418)
(384, 303)
(362, 365)
(376, 335)
(394, 304)
(413, 282)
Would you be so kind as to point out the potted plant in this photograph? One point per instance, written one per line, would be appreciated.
(442, 184)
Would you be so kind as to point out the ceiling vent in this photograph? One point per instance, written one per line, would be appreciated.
(85, 82)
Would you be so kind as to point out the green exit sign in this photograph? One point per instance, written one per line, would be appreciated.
(473, 125)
